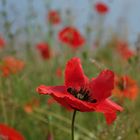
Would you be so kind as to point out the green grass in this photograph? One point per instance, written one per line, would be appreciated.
(19, 89)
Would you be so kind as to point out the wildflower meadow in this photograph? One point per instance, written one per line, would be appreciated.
(67, 75)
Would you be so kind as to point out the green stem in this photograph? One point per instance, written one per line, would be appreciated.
(59, 117)
(72, 125)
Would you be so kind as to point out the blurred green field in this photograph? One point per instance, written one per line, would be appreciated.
(20, 89)
(38, 117)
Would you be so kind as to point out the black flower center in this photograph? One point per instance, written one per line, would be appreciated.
(82, 94)
(121, 84)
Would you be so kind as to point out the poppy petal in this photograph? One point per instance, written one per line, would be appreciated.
(67, 100)
(74, 75)
(102, 85)
(101, 8)
(109, 109)
(9, 133)
(125, 86)
(72, 37)
(57, 92)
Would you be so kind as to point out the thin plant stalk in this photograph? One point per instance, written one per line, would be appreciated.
(82, 129)
(72, 125)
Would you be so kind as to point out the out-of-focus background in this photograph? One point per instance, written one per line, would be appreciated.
(123, 16)
(38, 37)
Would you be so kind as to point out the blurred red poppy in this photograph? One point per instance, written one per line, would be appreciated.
(59, 72)
(50, 101)
(50, 136)
(29, 106)
(101, 8)
(44, 50)
(54, 17)
(11, 65)
(125, 86)
(124, 51)
(2, 42)
(80, 93)
(8, 133)
(72, 37)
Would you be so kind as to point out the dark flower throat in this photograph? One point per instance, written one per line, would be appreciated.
(82, 94)
(121, 84)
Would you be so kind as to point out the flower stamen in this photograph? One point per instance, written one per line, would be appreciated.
(82, 94)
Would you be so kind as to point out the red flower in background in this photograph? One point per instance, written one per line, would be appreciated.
(80, 93)
(8, 133)
(125, 86)
(11, 65)
(59, 72)
(71, 37)
(44, 50)
(29, 106)
(54, 17)
(124, 51)
(50, 101)
(2, 42)
(101, 8)
(50, 136)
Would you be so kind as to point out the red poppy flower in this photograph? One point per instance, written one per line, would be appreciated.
(101, 8)
(71, 37)
(50, 101)
(54, 17)
(59, 72)
(8, 133)
(44, 50)
(124, 51)
(2, 42)
(50, 136)
(82, 94)
(125, 86)
(29, 106)
(11, 65)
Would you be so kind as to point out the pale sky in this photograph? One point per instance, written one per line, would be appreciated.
(130, 9)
